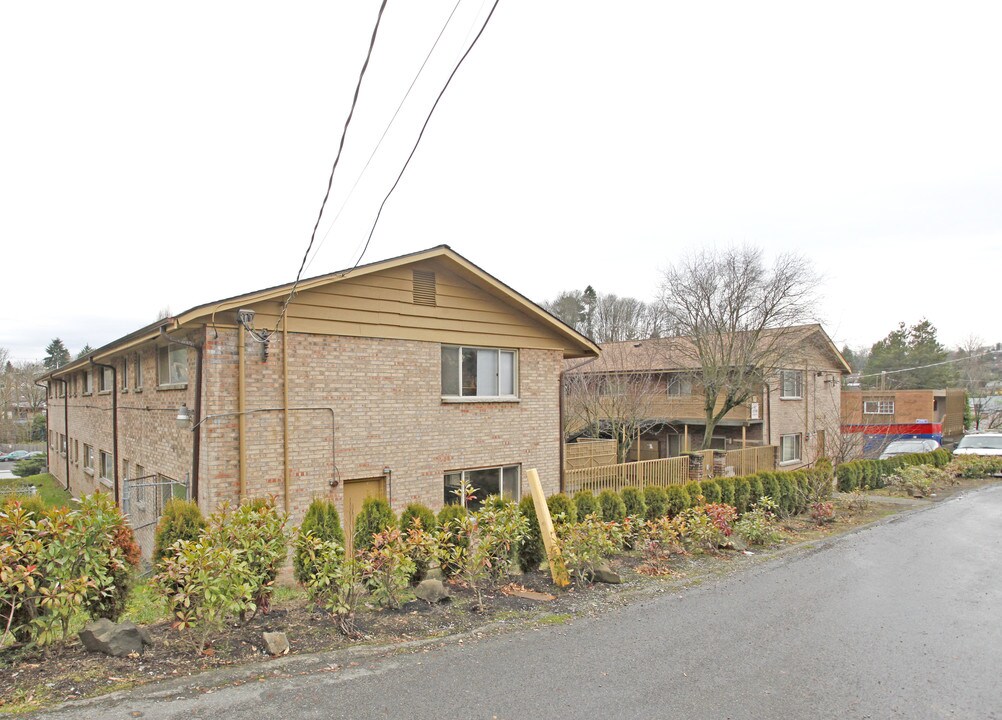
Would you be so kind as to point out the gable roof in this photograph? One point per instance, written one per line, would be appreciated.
(678, 353)
(575, 345)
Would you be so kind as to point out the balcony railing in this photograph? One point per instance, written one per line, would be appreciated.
(690, 407)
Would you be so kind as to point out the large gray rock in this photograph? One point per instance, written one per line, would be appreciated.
(119, 640)
(432, 591)
(604, 574)
(276, 643)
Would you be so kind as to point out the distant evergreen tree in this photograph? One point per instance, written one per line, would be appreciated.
(56, 355)
(910, 347)
(85, 351)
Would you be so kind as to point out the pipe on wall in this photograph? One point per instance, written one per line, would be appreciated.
(241, 410)
(285, 414)
(66, 425)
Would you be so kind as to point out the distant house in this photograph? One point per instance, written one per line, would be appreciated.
(657, 383)
(874, 418)
(399, 379)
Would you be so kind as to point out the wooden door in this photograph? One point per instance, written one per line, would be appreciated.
(355, 493)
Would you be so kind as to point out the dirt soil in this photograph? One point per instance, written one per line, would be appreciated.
(36, 678)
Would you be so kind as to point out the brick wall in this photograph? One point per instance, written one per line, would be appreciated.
(388, 413)
(815, 415)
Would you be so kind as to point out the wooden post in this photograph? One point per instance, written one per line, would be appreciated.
(685, 435)
(744, 448)
(557, 568)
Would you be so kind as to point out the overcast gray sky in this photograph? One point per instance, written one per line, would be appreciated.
(171, 154)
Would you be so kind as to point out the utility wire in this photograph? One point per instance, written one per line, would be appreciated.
(385, 132)
(421, 135)
(337, 158)
(923, 367)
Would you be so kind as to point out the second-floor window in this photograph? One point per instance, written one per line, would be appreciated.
(791, 384)
(679, 385)
(878, 407)
(172, 365)
(88, 382)
(478, 372)
(106, 381)
(138, 365)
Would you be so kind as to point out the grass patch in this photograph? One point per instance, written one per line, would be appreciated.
(555, 619)
(47, 487)
(145, 605)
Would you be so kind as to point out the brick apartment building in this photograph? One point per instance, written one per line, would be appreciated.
(399, 378)
(871, 419)
(797, 408)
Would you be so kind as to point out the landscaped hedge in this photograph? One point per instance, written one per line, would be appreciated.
(872, 474)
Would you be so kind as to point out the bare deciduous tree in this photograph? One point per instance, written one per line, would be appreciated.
(740, 318)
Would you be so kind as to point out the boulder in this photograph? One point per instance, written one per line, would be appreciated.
(276, 643)
(431, 591)
(117, 640)
(604, 574)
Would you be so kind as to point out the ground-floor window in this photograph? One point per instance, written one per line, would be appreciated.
(789, 446)
(481, 483)
(107, 466)
(88, 457)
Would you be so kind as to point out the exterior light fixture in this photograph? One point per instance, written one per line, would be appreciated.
(183, 416)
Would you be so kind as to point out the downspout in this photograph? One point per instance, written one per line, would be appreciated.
(768, 414)
(285, 413)
(114, 419)
(66, 425)
(241, 404)
(47, 443)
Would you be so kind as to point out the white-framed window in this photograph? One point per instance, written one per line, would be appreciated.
(88, 457)
(125, 373)
(140, 471)
(679, 385)
(791, 384)
(172, 365)
(106, 380)
(479, 372)
(878, 407)
(62, 444)
(107, 466)
(789, 447)
(88, 382)
(481, 483)
(138, 365)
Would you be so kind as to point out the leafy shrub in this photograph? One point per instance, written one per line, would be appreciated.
(181, 520)
(448, 513)
(374, 517)
(726, 486)
(756, 526)
(387, 567)
(585, 503)
(29, 466)
(659, 540)
(562, 509)
(823, 512)
(771, 488)
(29, 503)
(633, 501)
(787, 499)
(974, 466)
(204, 583)
(941, 458)
(323, 522)
(710, 490)
(707, 527)
(256, 533)
(612, 506)
(742, 494)
(656, 502)
(757, 492)
(335, 582)
(531, 551)
(450, 542)
(678, 500)
(918, 480)
(694, 490)
(586, 544)
(421, 512)
(857, 501)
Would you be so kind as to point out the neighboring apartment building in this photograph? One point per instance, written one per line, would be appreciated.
(796, 407)
(400, 378)
(874, 418)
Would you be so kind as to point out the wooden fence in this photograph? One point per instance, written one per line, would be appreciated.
(666, 471)
(663, 472)
(589, 454)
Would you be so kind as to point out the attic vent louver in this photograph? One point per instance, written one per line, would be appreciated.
(424, 287)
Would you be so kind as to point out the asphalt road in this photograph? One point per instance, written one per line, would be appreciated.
(901, 620)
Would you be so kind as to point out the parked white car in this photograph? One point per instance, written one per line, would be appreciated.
(907, 447)
(989, 443)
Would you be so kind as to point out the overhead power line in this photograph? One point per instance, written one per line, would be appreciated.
(337, 158)
(923, 367)
(421, 134)
(386, 130)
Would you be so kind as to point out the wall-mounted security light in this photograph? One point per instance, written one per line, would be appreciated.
(183, 416)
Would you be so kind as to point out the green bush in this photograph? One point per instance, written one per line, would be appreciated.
(585, 503)
(757, 490)
(770, 487)
(656, 501)
(726, 486)
(633, 500)
(374, 517)
(693, 489)
(322, 522)
(678, 500)
(612, 506)
(450, 513)
(562, 509)
(29, 466)
(452, 543)
(531, 551)
(742, 494)
(417, 511)
(710, 490)
(30, 503)
(181, 520)
(787, 499)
